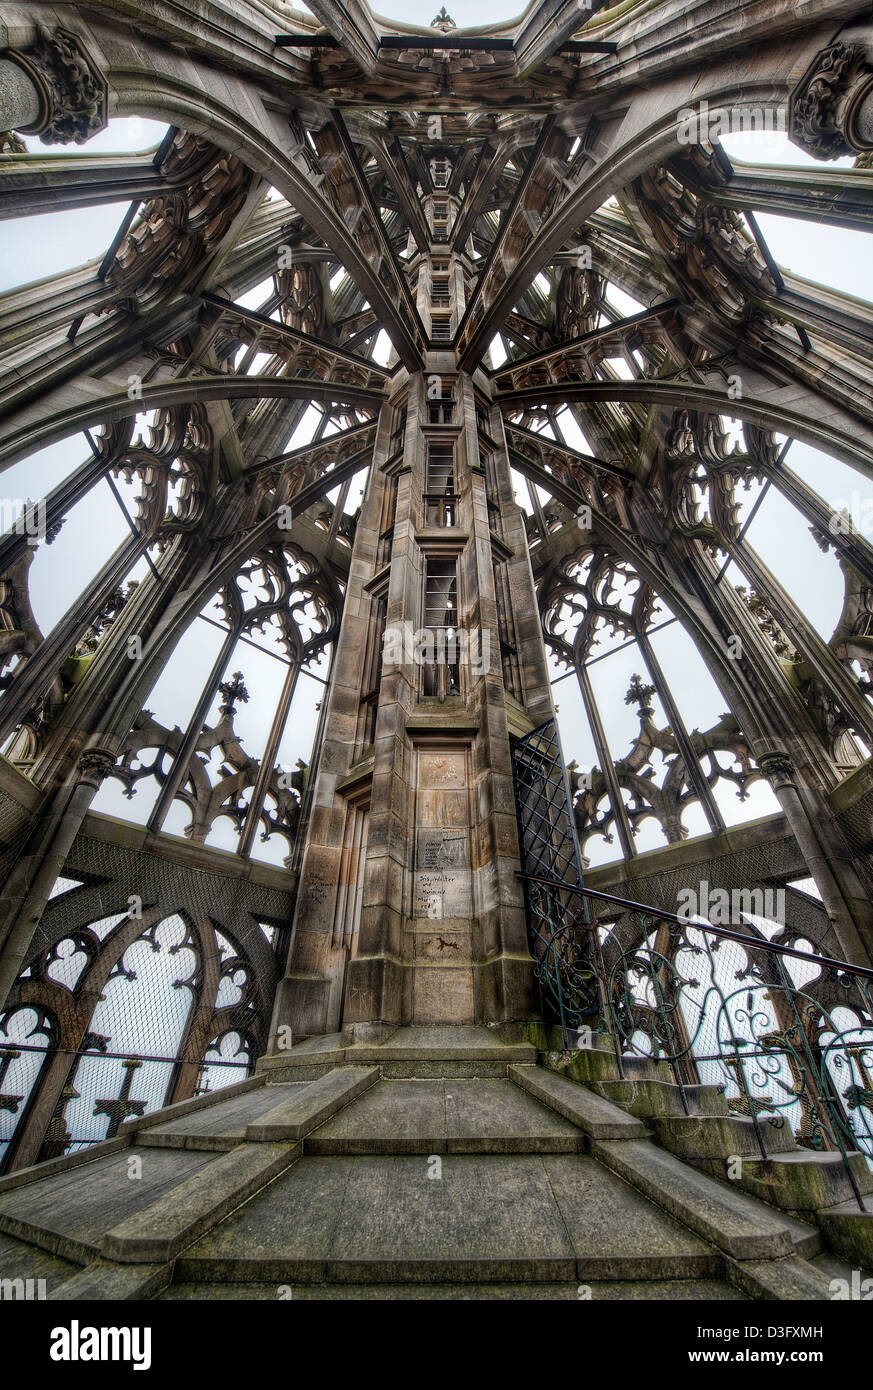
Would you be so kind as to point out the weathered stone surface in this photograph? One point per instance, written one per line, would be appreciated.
(670, 1291)
(717, 1136)
(849, 1230)
(388, 1217)
(86, 1201)
(738, 1224)
(437, 1117)
(596, 1117)
(19, 1260)
(308, 1106)
(616, 1231)
(220, 1127)
(807, 1180)
(158, 1232)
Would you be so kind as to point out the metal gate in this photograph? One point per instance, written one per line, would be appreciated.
(560, 937)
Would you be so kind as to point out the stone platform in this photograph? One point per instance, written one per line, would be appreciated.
(441, 1163)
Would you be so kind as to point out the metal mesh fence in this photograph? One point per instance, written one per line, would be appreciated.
(150, 980)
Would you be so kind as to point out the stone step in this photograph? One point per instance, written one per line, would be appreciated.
(454, 1044)
(792, 1280)
(592, 1064)
(719, 1136)
(69, 1212)
(425, 1052)
(307, 1060)
(646, 1098)
(448, 1069)
(31, 1269)
(736, 1223)
(847, 1282)
(672, 1291)
(104, 1280)
(439, 1117)
(309, 1106)
(596, 1117)
(806, 1179)
(460, 1220)
(221, 1127)
(849, 1231)
(64, 1163)
(133, 1129)
(158, 1232)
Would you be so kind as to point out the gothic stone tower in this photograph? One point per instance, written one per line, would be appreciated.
(399, 200)
(408, 909)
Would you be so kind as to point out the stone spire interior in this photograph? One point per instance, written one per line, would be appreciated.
(436, 618)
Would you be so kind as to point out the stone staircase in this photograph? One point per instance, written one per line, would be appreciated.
(441, 1163)
(695, 1124)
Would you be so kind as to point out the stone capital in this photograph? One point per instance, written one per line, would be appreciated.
(93, 766)
(776, 768)
(831, 111)
(72, 92)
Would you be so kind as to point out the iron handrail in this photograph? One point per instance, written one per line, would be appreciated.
(828, 1118)
(743, 937)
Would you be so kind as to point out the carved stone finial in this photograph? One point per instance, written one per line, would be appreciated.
(638, 694)
(443, 21)
(72, 91)
(831, 112)
(233, 690)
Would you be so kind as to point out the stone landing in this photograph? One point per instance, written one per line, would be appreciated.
(442, 1163)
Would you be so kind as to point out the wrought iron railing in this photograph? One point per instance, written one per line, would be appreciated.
(783, 1032)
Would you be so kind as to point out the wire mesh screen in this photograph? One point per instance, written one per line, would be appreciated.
(543, 807)
(150, 981)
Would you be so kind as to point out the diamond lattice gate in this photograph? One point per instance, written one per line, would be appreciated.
(561, 939)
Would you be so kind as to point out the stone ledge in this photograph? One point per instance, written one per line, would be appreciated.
(739, 1225)
(597, 1117)
(103, 1280)
(160, 1231)
(295, 1117)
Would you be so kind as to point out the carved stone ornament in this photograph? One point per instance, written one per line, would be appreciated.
(73, 92)
(825, 108)
(776, 768)
(94, 765)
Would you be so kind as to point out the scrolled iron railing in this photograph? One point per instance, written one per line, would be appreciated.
(782, 1032)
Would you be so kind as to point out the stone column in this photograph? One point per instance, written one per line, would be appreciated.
(29, 886)
(20, 102)
(440, 936)
(779, 771)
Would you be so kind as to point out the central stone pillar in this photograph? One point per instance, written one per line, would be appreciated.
(442, 922)
(417, 917)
